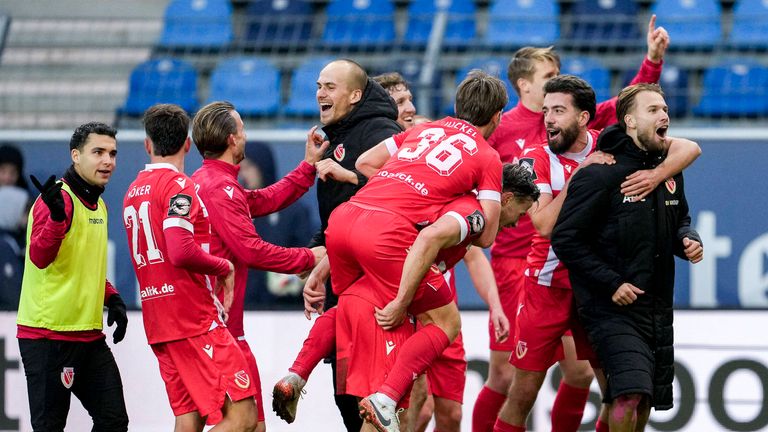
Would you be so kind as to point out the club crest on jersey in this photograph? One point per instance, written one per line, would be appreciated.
(339, 152)
(476, 222)
(521, 350)
(671, 185)
(242, 379)
(180, 205)
(528, 164)
(68, 376)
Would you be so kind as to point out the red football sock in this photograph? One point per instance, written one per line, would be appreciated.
(487, 407)
(318, 345)
(568, 408)
(601, 427)
(500, 426)
(416, 354)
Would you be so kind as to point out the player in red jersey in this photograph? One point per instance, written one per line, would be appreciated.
(203, 368)
(523, 127)
(220, 137)
(442, 394)
(544, 316)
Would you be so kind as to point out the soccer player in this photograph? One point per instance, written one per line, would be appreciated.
(219, 135)
(169, 235)
(521, 128)
(62, 345)
(436, 162)
(620, 253)
(356, 114)
(398, 89)
(544, 317)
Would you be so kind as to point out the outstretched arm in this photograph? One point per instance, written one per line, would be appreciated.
(374, 158)
(682, 153)
(485, 284)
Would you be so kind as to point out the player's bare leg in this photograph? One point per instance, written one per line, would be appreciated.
(425, 415)
(240, 416)
(521, 396)
(629, 413)
(189, 422)
(419, 396)
(447, 415)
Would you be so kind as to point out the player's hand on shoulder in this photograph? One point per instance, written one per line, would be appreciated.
(315, 146)
(626, 294)
(694, 251)
(640, 183)
(330, 169)
(598, 157)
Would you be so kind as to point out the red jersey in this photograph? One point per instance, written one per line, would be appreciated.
(520, 129)
(550, 173)
(177, 303)
(231, 209)
(469, 213)
(436, 162)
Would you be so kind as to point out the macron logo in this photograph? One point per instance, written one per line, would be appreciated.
(390, 346)
(520, 142)
(181, 181)
(229, 190)
(209, 350)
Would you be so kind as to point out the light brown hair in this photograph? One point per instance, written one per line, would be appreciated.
(211, 128)
(523, 63)
(627, 97)
(479, 97)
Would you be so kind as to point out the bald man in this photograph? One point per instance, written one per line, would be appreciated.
(356, 113)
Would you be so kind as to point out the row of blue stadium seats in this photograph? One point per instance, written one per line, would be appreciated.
(361, 23)
(735, 87)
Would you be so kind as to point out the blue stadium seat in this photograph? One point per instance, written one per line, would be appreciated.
(734, 88)
(750, 24)
(164, 80)
(496, 66)
(302, 101)
(516, 23)
(604, 23)
(360, 23)
(592, 71)
(459, 31)
(674, 82)
(197, 24)
(278, 23)
(692, 24)
(251, 84)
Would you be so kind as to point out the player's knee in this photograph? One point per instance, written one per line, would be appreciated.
(448, 418)
(625, 406)
(581, 375)
(500, 376)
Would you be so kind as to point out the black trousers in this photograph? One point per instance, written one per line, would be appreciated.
(56, 369)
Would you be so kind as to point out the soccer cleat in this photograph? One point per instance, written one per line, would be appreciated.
(382, 417)
(285, 396)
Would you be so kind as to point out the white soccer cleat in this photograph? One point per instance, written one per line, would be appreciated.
(382, 416)
(285, 396)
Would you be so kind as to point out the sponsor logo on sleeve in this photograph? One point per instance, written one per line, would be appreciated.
(68, 376)
(528, 164)
(520, 142)
(180, 205)
(390, 346)
(229, 190)
(181, 181)
(476, 223)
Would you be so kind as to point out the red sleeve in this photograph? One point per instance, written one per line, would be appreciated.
(47, 234)
(283, 193)
(400, 138)
(109, 289)
(231, 221)
(605, 115)
(189, 255)
(490, 178)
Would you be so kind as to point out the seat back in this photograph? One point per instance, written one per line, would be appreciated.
(164, 80)
(197, 24)
(360, 22)
(523, 22)
(251, 84)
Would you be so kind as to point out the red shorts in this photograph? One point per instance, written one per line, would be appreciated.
(375, 243)
(217, 416)
(200, 371)
(448, 374)
(544, 318)
(511, 282)
(365, 352)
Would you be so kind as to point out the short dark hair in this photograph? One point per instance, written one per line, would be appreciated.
(518, 180)
(211, 127)
(167, 125)
(523, 63)
(479, 97)
(390, 80)
(80, 136)
(626, 99)
(582, 93)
